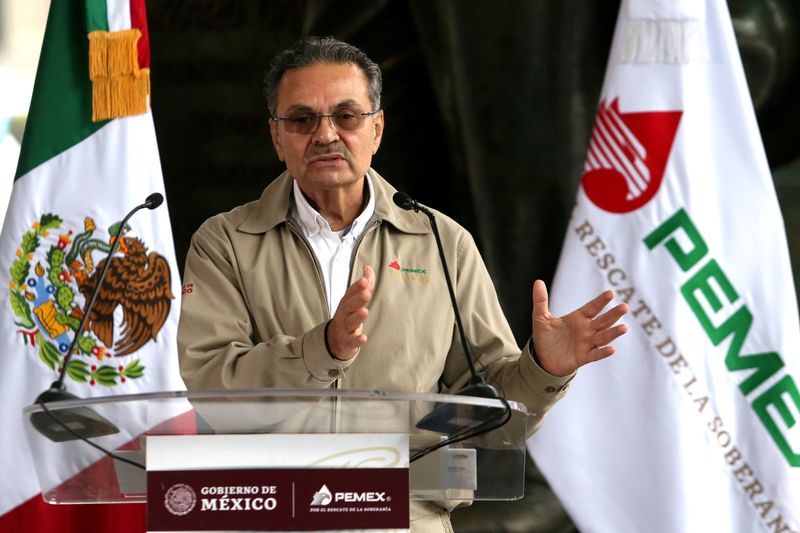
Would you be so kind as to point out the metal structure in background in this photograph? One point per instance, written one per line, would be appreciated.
(489, 108)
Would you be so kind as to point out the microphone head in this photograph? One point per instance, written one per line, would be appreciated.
(404, 201)
(154, 200)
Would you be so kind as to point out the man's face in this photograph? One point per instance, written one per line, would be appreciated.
(329, 158)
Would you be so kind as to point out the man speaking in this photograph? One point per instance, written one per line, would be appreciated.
(324, 282)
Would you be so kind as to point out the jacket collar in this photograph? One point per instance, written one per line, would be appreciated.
(274, 206)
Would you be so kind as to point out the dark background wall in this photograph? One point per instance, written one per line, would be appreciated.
(489, 107)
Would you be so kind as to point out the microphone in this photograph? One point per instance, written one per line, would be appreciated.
(476, 386)
(81, 423)
(151, 202)
(404, 201)
(460, 422)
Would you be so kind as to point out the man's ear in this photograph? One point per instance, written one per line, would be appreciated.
(376, 140)
(276, 139)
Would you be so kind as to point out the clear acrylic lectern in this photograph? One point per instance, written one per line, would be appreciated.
(489, 466)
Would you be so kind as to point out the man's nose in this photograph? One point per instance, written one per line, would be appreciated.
(326, 130)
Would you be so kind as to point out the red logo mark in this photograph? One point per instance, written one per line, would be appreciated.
(627, 156)
(188, 288)
(395, 265)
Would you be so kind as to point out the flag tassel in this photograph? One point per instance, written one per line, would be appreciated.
(119, 86)
(663, 41)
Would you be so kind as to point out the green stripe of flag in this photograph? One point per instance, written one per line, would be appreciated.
(60, 115)
(96, 15)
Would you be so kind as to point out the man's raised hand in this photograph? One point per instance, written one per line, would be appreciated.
(563, 344)
(344, 331)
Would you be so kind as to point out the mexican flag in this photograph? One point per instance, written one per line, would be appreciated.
(88, 156)
(693, 424)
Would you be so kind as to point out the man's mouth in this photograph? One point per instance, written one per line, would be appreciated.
(327, 158)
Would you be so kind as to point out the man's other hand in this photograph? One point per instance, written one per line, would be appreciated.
(563, 344)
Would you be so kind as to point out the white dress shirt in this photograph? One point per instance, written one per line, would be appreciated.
(333, 249)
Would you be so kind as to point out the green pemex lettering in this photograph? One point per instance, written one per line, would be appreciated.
(737, 325)
(780, 396)
(686, 259)
(776, 397)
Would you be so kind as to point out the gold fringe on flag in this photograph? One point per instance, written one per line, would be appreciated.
(119, 86)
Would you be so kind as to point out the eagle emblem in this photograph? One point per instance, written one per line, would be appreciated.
(132, 304)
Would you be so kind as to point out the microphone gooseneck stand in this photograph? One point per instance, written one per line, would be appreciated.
(82, 423)
(446, 418)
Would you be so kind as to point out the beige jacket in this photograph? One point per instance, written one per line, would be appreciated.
(254, 310)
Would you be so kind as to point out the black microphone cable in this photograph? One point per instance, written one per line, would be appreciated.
(94, 445)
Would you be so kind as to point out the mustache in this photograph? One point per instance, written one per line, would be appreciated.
(336, 148)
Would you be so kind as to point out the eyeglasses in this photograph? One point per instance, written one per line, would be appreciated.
(306, 123)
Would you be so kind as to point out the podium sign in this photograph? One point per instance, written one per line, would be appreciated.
(278, 482)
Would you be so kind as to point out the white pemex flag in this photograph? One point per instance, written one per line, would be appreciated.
(88, 156)
(693, 425)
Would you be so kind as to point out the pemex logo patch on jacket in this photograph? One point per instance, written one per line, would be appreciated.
(409, 273)
(627, 156)
(52, 267)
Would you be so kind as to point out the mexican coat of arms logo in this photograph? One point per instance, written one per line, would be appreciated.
(45, 285)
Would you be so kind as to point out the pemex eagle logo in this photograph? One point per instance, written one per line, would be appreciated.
(54, 270)
(627, 156)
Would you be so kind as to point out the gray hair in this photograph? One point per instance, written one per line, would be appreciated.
(321, 50)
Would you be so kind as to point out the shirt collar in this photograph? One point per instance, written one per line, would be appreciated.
(312, 222)
(275, 206)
